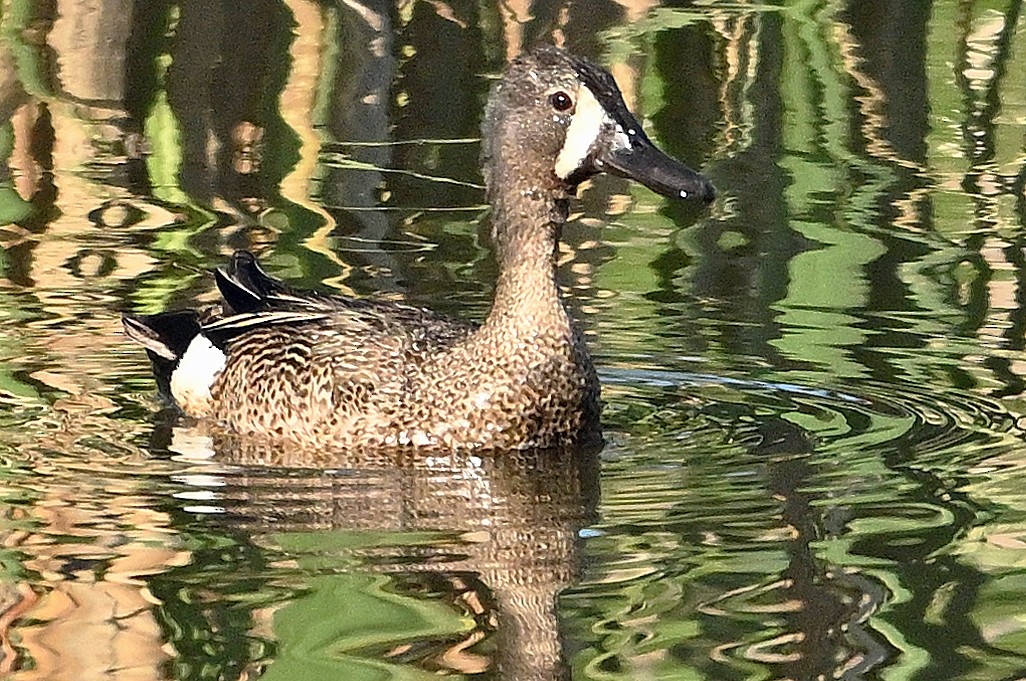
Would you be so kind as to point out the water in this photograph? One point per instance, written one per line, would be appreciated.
(814, 388)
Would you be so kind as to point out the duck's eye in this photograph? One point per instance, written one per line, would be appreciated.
(560, 101)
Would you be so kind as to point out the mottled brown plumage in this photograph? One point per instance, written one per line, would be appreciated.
(337, 371)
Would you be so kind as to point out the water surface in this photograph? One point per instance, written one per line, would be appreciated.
(814, 387)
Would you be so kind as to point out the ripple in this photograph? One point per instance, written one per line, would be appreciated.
(929, 419)
(807, 521)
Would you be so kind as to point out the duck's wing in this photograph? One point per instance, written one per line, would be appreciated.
(318, 374)
(247, 289)
(270, 357)
(304, 362)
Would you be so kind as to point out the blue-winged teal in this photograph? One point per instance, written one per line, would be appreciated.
(329, 370)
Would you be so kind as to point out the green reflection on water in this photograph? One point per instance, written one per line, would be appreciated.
(326, 631)
(813, 388)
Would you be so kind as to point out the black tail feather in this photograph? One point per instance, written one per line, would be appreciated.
(245, 286)
(251, 299)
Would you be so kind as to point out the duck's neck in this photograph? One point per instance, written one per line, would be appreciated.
(525, 231)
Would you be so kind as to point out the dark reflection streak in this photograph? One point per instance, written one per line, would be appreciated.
(763, 265)
(892, 39)
(831, 603)
(544, 17)
(258, 148)
(927, 570)
(1019, 190)
(981, 115)
(228, 64)
(687, 123)
(888, 292)
(980, 148)
(444, 81)
(361, 109)
(189, 90)
(1002, 367)
(44, 194)
(147, 39)
(747, 279)
(43, 139)
(1016, 254)
(977, 307)
(977, 304)
(586, 23)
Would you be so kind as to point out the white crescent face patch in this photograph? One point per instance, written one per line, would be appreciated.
(586, 126)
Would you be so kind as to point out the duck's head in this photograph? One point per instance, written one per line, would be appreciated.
(562, 118)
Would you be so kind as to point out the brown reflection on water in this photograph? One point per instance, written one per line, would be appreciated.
(516, 517)
(88, 625)
(87, 611)
(149, 138)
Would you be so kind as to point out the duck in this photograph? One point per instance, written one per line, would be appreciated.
(326, 370)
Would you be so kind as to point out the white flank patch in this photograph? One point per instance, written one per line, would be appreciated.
(585, 127)
(195, 373)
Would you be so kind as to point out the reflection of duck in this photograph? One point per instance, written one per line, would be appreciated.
(496, 536)
(353, 373)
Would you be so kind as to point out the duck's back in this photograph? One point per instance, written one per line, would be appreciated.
(390, 376)
(318, 368)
